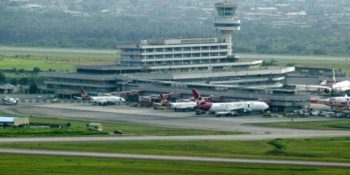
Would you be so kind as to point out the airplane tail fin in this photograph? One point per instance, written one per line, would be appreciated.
(84, 94)
(334, 80)
(164, 100)
(196, 95)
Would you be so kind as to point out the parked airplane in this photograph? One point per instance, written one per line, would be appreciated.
(228, 108)
(101, 100)
(176, 106)
(341, 87)
(9, 101)
(123, 94)
(335, 87)
(340, 102)
(328, 86)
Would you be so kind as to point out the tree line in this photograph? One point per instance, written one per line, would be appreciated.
(57, 29)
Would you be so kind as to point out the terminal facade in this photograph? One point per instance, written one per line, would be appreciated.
(177, 65)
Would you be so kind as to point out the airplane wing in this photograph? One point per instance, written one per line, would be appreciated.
(78, 98)
(226, 113)
(240, 109)
(346, 89)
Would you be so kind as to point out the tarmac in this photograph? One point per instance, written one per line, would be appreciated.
(147, 116)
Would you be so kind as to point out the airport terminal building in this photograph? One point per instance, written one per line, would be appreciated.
(178, 65)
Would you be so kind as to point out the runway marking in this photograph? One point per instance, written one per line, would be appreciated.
(173, 158)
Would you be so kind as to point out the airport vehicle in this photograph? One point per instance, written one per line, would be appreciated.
(178, 106)
(9, 101)
(101, 100)
(334, 102)
(228, 108)
(315, 113)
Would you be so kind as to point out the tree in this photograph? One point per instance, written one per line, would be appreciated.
(36, 70)
(2, 78)
(33, 88)
(263, 48)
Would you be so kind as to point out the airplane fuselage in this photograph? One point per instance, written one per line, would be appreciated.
(338, 102)
(341, 87)
(236, 106)
(183, 105)
(103, 100)
(231, 108)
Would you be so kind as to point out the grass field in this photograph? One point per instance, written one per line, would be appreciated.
(43, 165)
(79, 128)
(58, 61)
(322, 125)
(342, 63)
(63, 61)
(325, 149)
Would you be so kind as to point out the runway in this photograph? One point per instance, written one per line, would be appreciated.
(174, 158)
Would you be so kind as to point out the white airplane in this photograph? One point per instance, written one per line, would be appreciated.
(9, 101)
(101, 100)
(178, 106)
(329, 86)
(122, 94)
(333, 86)
(341, 87)
(228, 108)
(339, 102)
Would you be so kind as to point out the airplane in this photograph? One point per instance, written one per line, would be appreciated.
(122, 94)
(333, 86)
(101, 100)
(339, 102)
(228, 108)
(341, 87)
(177, 106)
(330, 87)
(9, 101)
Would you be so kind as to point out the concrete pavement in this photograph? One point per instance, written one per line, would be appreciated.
(145, 116)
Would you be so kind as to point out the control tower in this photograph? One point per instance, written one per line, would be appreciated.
(226, 22)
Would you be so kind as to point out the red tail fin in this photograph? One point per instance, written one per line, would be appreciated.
(162, 97)
(164, 101)
(84, 94)
(196, 95)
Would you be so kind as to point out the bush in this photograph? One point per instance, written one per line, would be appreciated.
(2, 78)
(276, 144)
(36, 70)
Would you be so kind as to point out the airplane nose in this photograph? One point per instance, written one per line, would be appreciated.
(266, 106)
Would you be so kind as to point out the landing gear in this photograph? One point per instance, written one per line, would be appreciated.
(200, 112)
